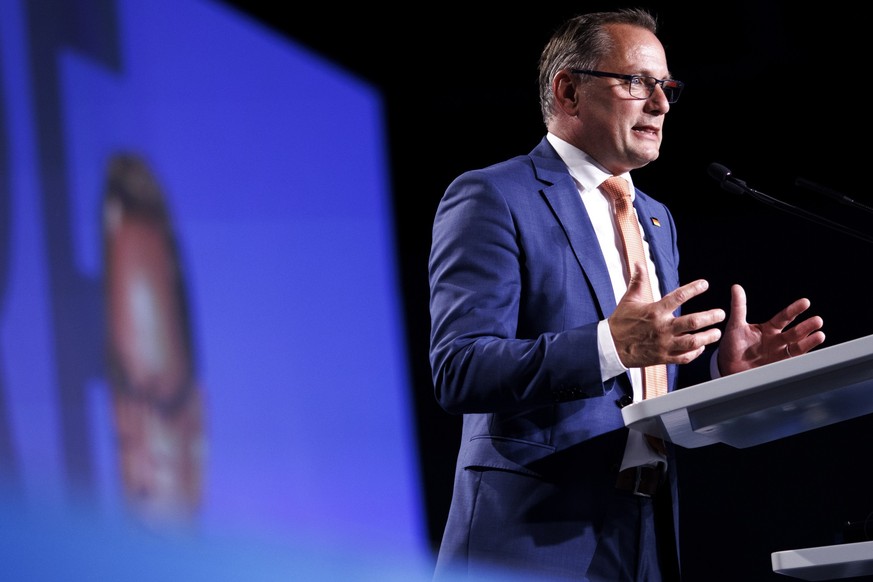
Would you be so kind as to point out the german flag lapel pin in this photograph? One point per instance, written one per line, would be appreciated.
(656, 222)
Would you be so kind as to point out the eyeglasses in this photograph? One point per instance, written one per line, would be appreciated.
(641, 86)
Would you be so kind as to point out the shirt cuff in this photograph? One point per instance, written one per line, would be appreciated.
(713, 365)
(610, 363)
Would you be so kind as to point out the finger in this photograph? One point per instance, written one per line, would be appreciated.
(738, 305)
(699, 320)
(685, 357)
(804, 336)
(803, 329)
(808, 343)
(784, 318)
(693, 342)
(674, 299)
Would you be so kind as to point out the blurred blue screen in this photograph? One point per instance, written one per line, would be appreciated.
(272, 166)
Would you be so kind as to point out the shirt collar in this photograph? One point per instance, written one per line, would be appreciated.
(583, 168)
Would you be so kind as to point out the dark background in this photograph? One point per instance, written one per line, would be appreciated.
(773, 92)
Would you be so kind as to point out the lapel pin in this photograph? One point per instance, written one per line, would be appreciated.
(656, 222)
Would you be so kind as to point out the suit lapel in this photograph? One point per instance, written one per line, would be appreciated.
(656, 226)
(563, 197)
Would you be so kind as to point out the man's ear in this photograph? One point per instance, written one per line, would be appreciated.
(565, 88)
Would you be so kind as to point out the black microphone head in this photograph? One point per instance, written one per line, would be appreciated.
(727, 182)
(718, 172)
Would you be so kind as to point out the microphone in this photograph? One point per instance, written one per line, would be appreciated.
(734, 185)
(722, 175)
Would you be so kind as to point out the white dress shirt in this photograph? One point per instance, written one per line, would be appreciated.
(588, 175)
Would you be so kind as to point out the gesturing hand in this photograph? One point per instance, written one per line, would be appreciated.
(647, 333)
(749, 345)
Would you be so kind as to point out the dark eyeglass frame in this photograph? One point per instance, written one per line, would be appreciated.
(671, 87)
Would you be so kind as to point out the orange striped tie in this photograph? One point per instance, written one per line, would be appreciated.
(654, 377)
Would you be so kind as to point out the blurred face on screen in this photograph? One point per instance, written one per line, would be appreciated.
(156, 403)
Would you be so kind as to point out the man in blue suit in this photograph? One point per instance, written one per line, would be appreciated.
(539, 331)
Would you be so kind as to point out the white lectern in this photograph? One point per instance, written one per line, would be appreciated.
(825, 562)
(785, 398)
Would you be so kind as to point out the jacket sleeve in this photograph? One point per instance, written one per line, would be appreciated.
(498, 294)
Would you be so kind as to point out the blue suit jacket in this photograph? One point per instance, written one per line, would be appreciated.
(518, 285)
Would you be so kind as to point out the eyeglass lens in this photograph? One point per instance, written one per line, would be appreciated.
(643, 87)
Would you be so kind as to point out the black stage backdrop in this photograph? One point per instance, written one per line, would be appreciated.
(774, 92)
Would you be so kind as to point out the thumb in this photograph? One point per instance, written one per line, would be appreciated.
(738, 306)
(635, 287)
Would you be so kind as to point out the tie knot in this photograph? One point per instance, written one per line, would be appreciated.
(616, 187)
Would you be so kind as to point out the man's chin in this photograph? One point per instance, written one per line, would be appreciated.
(645, 158)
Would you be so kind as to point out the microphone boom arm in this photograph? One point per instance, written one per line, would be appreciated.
(804, 183)
(791, 209)
(734, 185)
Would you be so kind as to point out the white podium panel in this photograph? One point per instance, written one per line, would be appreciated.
(825, 562)
(823, 387)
